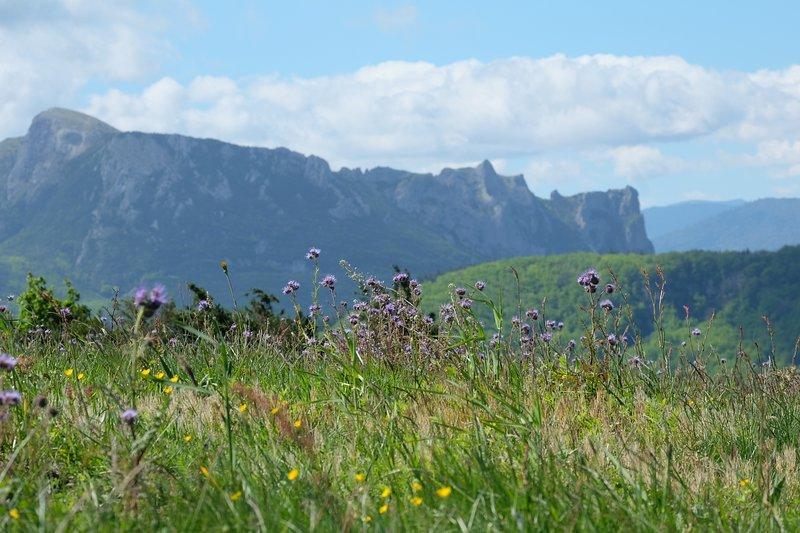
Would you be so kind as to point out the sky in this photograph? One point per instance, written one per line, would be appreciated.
(680, 100)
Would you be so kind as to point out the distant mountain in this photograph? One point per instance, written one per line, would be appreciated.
(662, 220)
(767, 224)
(110, 208)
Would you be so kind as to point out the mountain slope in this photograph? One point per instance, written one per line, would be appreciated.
(662, 220)
(765, 224)
(739, 287)
(114, 208)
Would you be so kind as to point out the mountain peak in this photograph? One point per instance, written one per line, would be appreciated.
(58, 118)
(486, 168)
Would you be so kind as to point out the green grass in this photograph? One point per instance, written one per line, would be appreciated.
(450, 431)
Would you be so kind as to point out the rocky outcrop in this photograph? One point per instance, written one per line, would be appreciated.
(111, 208)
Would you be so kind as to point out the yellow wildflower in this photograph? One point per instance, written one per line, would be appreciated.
(167, 390)
(744, 482)
(242, 408)
(298, 423)
(293, 474)
(187, 438)
(274, 410)
(68, 372)
(360, 477)
(204, 471)
(145, 372)
(160, 375)
(81, 375)
(236, 495)
(367, 519)
(174, 379)
(416, 501)
(444, 492)
(416, 486)
(14, 514)
(383, 508)
(386, 492)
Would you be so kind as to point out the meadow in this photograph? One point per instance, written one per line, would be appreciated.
(375, 415)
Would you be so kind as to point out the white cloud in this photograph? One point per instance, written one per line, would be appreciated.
(640, 162)
(782, 156)
(419, 114)
(51, 49)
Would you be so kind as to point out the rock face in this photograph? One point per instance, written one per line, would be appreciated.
(114, 208)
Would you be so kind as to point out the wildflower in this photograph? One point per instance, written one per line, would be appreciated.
(696, 332)
(313, 253)
(236, 495)
(610, 288)
(145, 372)
(81, 375)
(167, 390)
(173, 342)
(367, 519)
(546, 336)
(383, 508)
(480, 285)
(298, 424)
(589, 278)
(7, 362)
(293, 474)
(353, 319)
(14, 513)
(291, 287)
(444, 492)
(329, 281)
(65, 312)
(174, 379)
(204, 471)
(386, 492)
(607, 305)
(744, 482)
(533, 314)
(150, 300)
(612, 339)
(313, 309)
(466, 303)
(224, 266)
(460, 292)
(401, 278)
(160, 375)
(416, 486)
(129, 416)
(203, 305)
(360, 477)
(551, 324)
(274, 410)
(571, 344)
(243, 408)
(187, 438)
(416, 501)
(68, 372)
(10, 397)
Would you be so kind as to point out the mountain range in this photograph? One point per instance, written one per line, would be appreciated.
(114, 209)
(766, 224)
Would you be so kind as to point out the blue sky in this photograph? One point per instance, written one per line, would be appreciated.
(682, 101)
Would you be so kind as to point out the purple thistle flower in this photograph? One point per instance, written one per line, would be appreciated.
(461, 292)
(480, 285)
(612, 339)
(291, 287)
(313, 253)
(129, 416)
(551, 324)
(400, 278)
(447, 313)
(546, 336)
(353, 318)
(610, 288)
(314, 309)
(515, 321)
(533, 314)
(65, 312)
(571, 344)
(696, 332)
(413, 284)
(140, 297)
(328, 281)
(588, 278)
(247, 334)
(173, 342)
(7, 362)
(560, 325)
(10, 397)
(466, 303)
(607, 305)
(158, 295)
(203, 305)
(525, 329)
(373, 283)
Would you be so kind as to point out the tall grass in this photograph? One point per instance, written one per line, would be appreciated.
(380, 417)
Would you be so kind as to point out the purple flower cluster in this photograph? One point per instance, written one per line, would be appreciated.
(129, 416)
(291, 287)
(607, 305)
(589, 280)
(150, 300)
(10, 397)
(401, 278)
(7, 362)
(696, 332)
(480, 285)
(533, 314)
(329, 282)
(313, 253)
(203, 305)
(314, 309)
